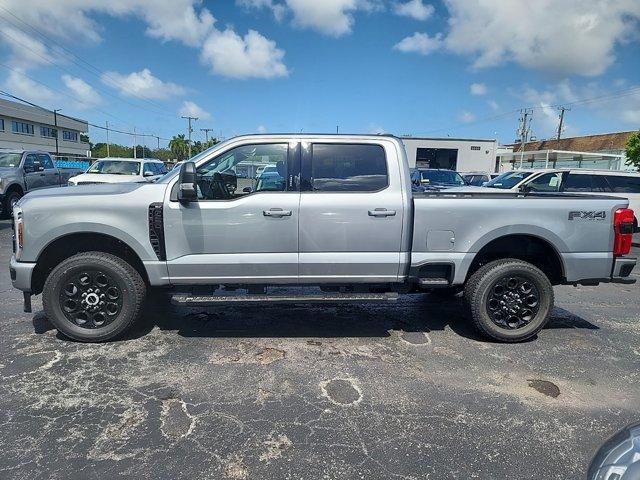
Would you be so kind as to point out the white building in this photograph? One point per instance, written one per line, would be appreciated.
(23, 127)
(460, 154)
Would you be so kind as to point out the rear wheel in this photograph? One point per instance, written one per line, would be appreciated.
(509, 300)
(93, 296)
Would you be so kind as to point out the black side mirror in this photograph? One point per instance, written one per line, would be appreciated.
(187, 185)
(526, 188)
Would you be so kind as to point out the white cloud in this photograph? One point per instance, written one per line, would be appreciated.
(478, 89)
(141, 84)
(85, 94)
(331, 17)
(261, 129)
(493, 105)
(277, 9)
(414, 9)
(190, 109)
(420, 43)
(563, 37)
(185, 21)
(20, 85)
(466, 117)
(251, 56)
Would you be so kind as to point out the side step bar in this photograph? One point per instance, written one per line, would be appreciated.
(205, 300)
(433, 282)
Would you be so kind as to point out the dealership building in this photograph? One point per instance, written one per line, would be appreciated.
(460, 154)
(23, 127)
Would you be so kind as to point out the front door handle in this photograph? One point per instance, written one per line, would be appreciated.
(276, 212)
(382, 212)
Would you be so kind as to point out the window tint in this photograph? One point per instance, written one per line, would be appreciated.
(243, 170)
(549, 182)
(45, 160)
(348, 168)
(624, 184)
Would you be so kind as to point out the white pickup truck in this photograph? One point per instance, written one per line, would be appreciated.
(332, 213)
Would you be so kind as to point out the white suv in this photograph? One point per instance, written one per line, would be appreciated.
(119, 170)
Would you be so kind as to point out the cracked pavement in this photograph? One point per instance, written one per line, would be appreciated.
(404, 390)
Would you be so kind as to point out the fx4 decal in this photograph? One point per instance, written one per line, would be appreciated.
(588, 215)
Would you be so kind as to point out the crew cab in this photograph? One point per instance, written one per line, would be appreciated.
(24, 170)
(342, 226)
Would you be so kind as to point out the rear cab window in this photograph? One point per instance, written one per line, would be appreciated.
(344, 167)
(624, 183)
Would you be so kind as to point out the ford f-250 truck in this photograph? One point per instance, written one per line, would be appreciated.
(23, 170)
(342, 218)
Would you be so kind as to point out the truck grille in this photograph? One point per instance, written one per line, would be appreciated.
(156, 230)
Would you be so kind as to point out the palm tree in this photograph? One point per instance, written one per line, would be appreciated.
(179, 147)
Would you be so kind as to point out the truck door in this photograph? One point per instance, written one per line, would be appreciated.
(51, 173)
(244, 226)
(34, 176)
(351, 213)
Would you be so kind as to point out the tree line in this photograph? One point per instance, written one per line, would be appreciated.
(178, 149)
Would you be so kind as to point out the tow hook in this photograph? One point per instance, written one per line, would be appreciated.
(27, 301)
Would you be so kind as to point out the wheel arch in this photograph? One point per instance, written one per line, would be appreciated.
(70, 244)
(530, 247)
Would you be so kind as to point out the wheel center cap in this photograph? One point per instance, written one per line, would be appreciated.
(92, 299)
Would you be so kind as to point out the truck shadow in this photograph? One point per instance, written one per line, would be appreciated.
(419, 313)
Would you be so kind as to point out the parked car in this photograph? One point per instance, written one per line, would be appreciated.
(120, 170)
(22, 171)
(477, 179)
(435, 178)
(345, 220)
(608, 182)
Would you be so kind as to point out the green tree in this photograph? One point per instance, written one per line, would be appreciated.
(633, 150)
(179, 147)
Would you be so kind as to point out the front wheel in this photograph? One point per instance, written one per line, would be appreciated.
(509, 300)
(9, 202)
(93, 296)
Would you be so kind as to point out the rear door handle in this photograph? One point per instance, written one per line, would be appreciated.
(276, 212)
(382, 212)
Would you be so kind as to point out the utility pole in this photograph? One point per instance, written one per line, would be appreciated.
(107, 126)
(190, 130)
(337, 129)
(55, 123)
(206, 133)
(158, 138)
(524, 130)
(562, 110)
(135, 140)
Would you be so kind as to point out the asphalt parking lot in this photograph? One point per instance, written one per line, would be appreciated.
(404, 390)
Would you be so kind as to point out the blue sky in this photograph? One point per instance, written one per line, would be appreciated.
(455, 68)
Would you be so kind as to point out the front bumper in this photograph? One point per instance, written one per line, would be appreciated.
(21, 273)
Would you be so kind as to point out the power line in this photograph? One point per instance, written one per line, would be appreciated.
(107, 128)
(89, 67)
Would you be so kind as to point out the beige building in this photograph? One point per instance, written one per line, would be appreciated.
(24, 127)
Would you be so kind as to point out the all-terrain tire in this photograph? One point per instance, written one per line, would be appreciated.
(121, 281)
(488, 296)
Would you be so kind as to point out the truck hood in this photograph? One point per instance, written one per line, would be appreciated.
(106, 178)
(85, 190)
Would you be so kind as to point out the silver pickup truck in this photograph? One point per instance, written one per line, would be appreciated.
(332, 216)
(22, 171)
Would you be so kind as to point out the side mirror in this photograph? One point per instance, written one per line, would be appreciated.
(526, 188)
(148, 174)
(187, 186)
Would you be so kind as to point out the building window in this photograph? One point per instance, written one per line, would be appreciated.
(70, 136)
(2, 124)
(475, 147)
(48, 132)
(22, 128)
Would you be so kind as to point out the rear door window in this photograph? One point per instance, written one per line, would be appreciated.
(624, 184)
(347, 168)
(45, 160)
(578, 183)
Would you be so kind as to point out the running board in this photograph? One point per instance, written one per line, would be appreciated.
(205, 300)
(433, 282)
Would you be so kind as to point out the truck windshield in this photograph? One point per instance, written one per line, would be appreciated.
(10, 159)
(440, 177)
(507, 180)
(115, 167)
